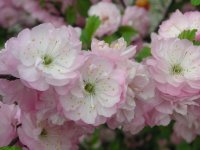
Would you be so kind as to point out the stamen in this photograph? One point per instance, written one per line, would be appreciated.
(43, 133)
(89, 88)
(47, 60)
(176, 69)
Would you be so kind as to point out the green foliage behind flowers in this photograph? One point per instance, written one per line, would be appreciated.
(195, 2)
(5, 34)
(70, 15)
(72, 11)
(127, 32)
(156, 138)
(142, 54)
(10, 148)
(83, 7)
(92, 24)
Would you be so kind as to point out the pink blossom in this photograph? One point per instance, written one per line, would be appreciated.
(137, 124)
(126, 110)
(10, 13)
(142, 83)
(145, 114)
(46, 55)
(45, 136)
(139, 101)
(137, 18)
(15, 91)
(168, 104)
(178, 71)
(13, 13)
(116, 50)
(48, 108)
(156, 118)
(109, 15)
(43, 14)
(185, 132)
(9, 16)
(179, 22)
(43, 104)
(187, 126)
(8, 63)
(9, 115)
(96, 94)
(140, 88)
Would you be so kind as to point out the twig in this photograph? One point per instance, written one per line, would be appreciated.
(123, 4)
(8, 77)
(14, 141)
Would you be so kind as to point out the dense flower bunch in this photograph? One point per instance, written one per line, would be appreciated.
(54, 90)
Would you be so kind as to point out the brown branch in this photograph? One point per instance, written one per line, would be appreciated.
(8, 77)
(122, 3)
(14, 141)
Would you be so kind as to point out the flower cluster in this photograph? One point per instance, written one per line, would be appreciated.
(60, 89)
(174, 67)
(56, 85)
(54, 91)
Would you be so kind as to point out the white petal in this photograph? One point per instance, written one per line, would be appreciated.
(88, 114)
(97, 69)
(106, 112)
(40, 37)
(107, 101)
(69, 102)
(108, 87)
(57, 82)
(40, 85)
(28, 73)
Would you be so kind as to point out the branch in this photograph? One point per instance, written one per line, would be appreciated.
(14, 141)
(8, 77)
(123, 4)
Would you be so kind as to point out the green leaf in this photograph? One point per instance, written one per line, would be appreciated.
(183, 146)
(196, 145)
(83, 7)
(127, 33)
(115, 145)
(165, 133)
(10, 148)
(110, 38)
(70, 15)
(92, 24)
(196, 43)
(143, 53)
(118, 143)
(42, 3)
(188, 34)
(3, 36)
(195, 2)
